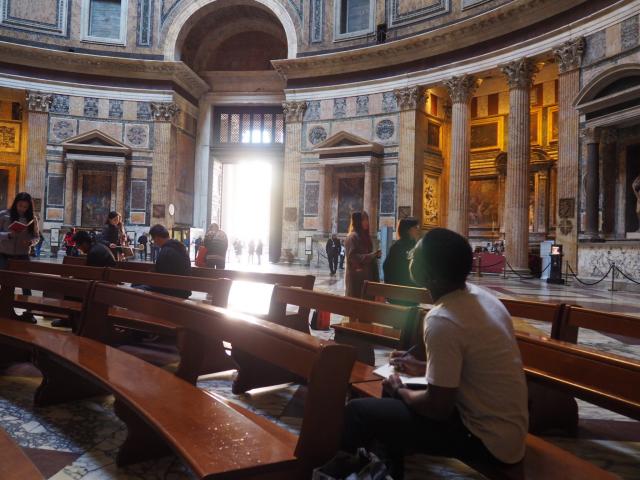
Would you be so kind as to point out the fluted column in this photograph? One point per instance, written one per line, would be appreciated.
(322, 187)
(120, 189)
(592, 182)
(409, 182)
(38, 104)
(569, 59)
(293, 114)
(461, 91)
(519, 75)
(608, 175)
(201, 208)
(69, 181)
(161, 193)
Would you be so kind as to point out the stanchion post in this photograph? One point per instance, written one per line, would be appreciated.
(479, 266)
(566, 272)
(613, 277)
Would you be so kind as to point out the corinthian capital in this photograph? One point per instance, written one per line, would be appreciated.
(461, 88)
(569, 54)
(294, 111)
(409, 98)
(39, 102)
(520, 73)
(164, 112)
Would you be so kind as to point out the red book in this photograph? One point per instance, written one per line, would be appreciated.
(18, 227)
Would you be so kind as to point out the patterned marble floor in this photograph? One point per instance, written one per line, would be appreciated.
(79, 440)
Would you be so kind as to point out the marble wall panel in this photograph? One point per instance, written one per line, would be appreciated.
(76, 106)
(629, 33)
(613, 40)
(139, 173)
(55, 167)
(129, 110)
(360, 127)
(113, 129)
(136, 135)
(55, 214)
(596, 47)
(595, 261)
(60, 129)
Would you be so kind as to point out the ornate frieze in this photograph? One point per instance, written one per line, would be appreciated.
(62, 128)
(115, 108)
(339, 107)
(409, 98)
(461, 88)
(362, 105)
(39, 102)
(389, 102)
(313, 110)
(569, 54)
(164, 112)
(91, 107)
(294, 111)
(520, 73)
(60, 104)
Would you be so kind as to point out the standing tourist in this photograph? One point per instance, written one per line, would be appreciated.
(110, 235)
(18, 233)
(216, 243)
(143, 241)
(259, 250)
(333, 252)
(68, 243)
(362, 261)
(252, 250)
(396, 265)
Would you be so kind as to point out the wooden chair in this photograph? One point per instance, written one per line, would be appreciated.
(14, 464)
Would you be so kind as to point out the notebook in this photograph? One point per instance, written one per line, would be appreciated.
(386, 370)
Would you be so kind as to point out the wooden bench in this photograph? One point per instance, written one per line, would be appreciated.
(73, 271)
(14, 464)
(161, 411)
(387, 291)
(324, 366)
(137, 266)
(605, 322)
(550, 313)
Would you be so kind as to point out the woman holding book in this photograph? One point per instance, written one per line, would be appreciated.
(362, 260)
(18, 233)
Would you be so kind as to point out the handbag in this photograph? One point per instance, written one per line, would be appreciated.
(361, 466)
(201, 257)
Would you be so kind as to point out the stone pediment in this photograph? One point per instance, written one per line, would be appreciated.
(96, 142)
(347, 143)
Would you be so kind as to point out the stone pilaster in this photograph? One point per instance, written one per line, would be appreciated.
(569, 59)
(322, 210)
(371, 195)
(293, 115)
(38, 104)
(409, 187)
(201, 209)
(592, 182)
(161, 193)
(519, 75)
(608, 178)
(69, 184)
(120, 189)
(461, 91)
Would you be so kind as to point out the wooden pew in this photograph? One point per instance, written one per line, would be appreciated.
(14, 464)
(74, 271)
(551, 313)
(162, 412)
(78, 290)
(137, 266)
(324, 365)
(414, 295)
(605, 322)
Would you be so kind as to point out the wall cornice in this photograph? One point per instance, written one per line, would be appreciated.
(495, 23)
(42, 58)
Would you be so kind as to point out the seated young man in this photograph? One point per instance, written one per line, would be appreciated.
(475, 402)
(172, 259)
(98, 254)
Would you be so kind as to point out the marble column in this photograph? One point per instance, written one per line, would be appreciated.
(410, 156)
(201, 208)
(322, 188)
(161, 192)
(69, 190)
(541, 189)
(446, 163)
(120, 189)
(519, 74)
(37, 128)
(608, 176)
(569, 59)
(592, 183)
(371, 195)
(461, 91)
(293, 115)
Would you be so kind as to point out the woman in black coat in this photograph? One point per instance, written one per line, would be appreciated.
(396, 265)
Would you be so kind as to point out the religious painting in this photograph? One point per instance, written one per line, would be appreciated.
(10, 137)
(311, 194)
(185, 163)
(96, 199)
(535, 127)
(4, 189)
(433, 135)
(350, 199)
(430, 200)
(158, 211)
(484, 201)
(487, 134)
(552, 127)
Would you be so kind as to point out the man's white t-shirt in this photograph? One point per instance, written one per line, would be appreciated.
(470, 346)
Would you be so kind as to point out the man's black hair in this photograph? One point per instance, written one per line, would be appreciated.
(81, 237)
(442, 255)
(405, 225)
(159, 231)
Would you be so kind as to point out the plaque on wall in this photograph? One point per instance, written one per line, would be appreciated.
(487, 134)
(404, 212)
(158, 211)
(290, 214)
(567, 207)
(10, 137)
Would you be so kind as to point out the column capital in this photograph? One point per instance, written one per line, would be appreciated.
(409, 98)
(520, 73)
(590, 135)
(569, 54)
(461, 88)
(164, 112)
(38, 101)
(294, 111)
(609, 135)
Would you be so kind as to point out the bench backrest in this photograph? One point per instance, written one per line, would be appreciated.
(371, 290)
(401, 318)
(138, 266)
(607, 380)
(216, 289)
(543, 312)
(605, 322)
(71, 270)
(324, 364)
(70, 260)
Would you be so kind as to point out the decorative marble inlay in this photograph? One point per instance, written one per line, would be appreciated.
(137, 135)
(22, 15)
(313, 110)
(388, 197)
(385, 129)
(294, 111)
(629, 32)
(115, 108)
(63, 128)
(596, 261)
(389, 103)
(145, 23)
(311, 195)
(317, 23)
(60, 104)
(362, 105)
(569, 54)
(317, 135)
(596, 46)
(144, 111)
(400, 14)
(339, 107)
(91, 106)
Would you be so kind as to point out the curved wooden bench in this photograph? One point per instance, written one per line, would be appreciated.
(14, 464)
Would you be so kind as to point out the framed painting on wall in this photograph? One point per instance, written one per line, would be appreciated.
(487, 134)
(535, 127)
(552, 124)
(10, 137)
(484, 200)
(434, 135)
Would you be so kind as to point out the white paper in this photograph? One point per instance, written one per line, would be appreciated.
(387, 370)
